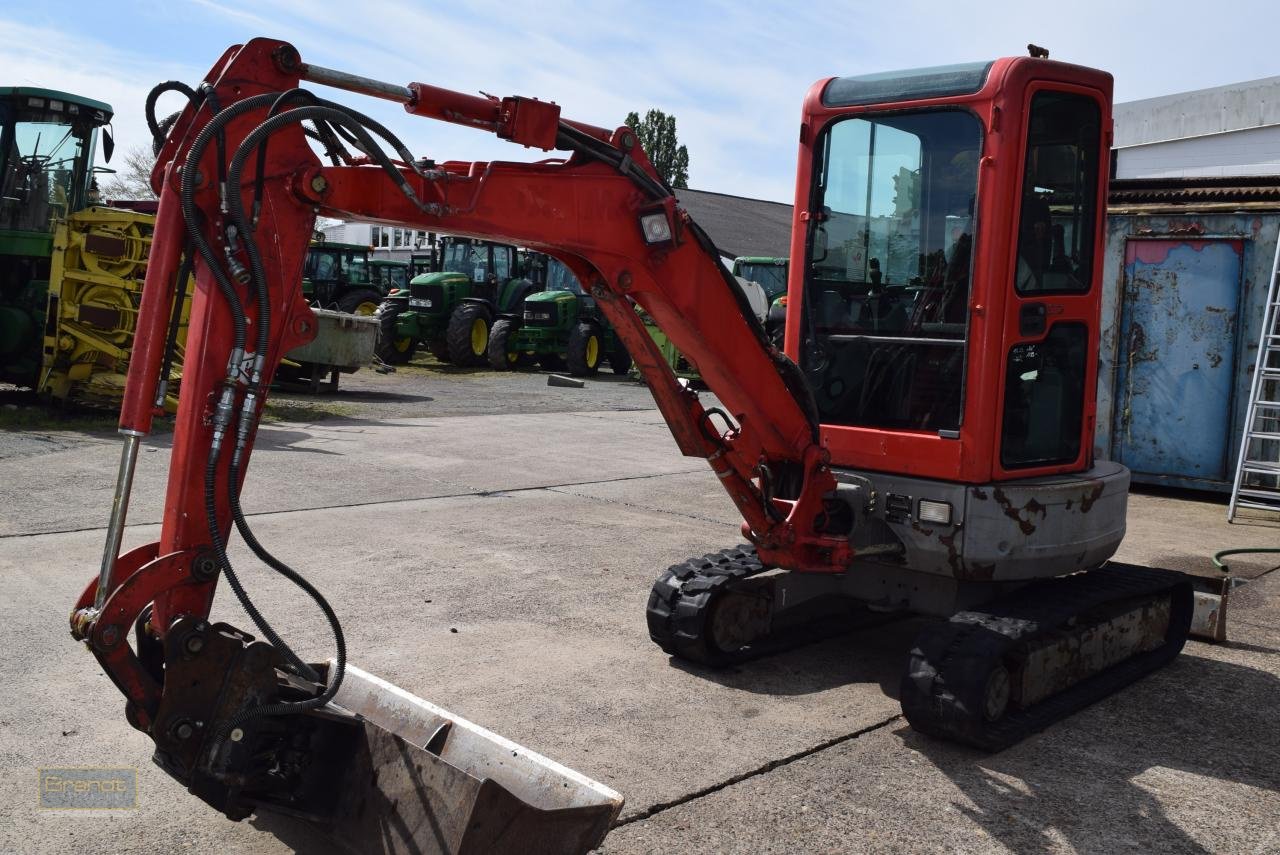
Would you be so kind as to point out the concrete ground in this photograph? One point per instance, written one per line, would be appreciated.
(536, 534)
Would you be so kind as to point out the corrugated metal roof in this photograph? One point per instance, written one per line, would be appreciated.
(1192, 191)
(740, 226)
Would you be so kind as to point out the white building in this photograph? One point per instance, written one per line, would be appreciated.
(1224, 131)
(387, 241)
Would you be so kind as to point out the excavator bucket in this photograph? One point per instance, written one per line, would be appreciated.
(439, 783)
(374, 770)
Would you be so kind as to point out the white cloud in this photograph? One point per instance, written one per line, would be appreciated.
(733, 72)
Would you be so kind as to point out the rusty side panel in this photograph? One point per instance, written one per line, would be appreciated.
(1038, 528)
(1177, 339)
(1182, 308)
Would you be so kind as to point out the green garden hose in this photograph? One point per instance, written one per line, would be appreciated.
(1217, 556)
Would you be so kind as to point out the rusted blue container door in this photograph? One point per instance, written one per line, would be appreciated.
(1177, 358)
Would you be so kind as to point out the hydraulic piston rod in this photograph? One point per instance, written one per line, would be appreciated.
(119, 510)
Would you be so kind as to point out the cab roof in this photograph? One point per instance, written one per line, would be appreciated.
(56, 95)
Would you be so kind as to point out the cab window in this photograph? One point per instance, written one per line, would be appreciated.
(887, 278)
(1059, 195)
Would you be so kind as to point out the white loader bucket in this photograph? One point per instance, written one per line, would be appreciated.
(435, 782)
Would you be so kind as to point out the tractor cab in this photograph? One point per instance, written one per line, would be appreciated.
(388, 275)
(770, 273)
(339, 276)
(47, 146)
(47, 142)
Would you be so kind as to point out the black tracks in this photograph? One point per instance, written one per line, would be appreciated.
(680, 603)
(944, 688)
(943, 691)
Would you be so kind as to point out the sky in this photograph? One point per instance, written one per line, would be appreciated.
(734, 74)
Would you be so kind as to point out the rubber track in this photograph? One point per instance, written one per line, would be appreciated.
(943, 689)
(678, 604)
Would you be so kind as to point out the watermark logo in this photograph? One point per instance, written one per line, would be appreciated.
(88, 788)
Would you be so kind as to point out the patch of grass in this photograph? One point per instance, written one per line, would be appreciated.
(36, 417)
(305, 411)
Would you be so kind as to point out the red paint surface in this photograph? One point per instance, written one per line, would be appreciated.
(1157, 251)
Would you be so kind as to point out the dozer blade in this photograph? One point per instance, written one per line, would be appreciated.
(1209, 619)
(376, 770)
(428, 781)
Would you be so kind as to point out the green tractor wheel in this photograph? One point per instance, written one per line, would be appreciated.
(393, 349)
(584, 350)
(500, 359)
(468, 335)
(620, 360)
(440, 350)
(362, 302)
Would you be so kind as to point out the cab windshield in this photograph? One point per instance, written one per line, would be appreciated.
(45, 155)
(561, 278)
(771, 277)
(337, 265)
(473, 260)
(887, 282)
(388, 276)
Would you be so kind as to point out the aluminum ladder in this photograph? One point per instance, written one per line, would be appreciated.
(1257, 481)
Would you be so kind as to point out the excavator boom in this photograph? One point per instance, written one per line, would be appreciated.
(240, 186)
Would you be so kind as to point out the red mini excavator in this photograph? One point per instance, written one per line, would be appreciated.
(922, 446)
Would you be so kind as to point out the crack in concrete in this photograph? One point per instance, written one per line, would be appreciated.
(660, 807)
(481, 493)
(634, 506)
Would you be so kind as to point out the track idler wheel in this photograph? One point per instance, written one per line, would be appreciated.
(704, 609)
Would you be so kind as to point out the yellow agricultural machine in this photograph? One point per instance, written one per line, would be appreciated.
(71, 272)
(96, 273)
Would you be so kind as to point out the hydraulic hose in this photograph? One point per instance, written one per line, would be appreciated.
(233, 201)
(158, 129)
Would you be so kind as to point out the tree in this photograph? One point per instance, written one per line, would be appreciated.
(657, 135)
(133, 180)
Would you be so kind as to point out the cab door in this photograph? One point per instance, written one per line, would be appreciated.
(1051, 322)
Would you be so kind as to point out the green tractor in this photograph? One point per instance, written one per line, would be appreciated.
(388, 275)
(771, 275)
(452, 310)
(768, 297)
(47, 142)
(560, 327)
(340, 276)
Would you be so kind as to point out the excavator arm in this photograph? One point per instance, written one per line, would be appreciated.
(240, 187)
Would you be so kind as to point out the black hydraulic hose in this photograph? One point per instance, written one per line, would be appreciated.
(259, 176)
(175, 320)
(157, 132)
(238, 315)
(190, 214)
(235, 210)
(339, 640)
(220, 550)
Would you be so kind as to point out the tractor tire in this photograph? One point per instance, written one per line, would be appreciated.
(584, 350)
(440, 350)
(391, 348)
(620, 360)
(500, 359)
(468, 335)
(362, 302)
